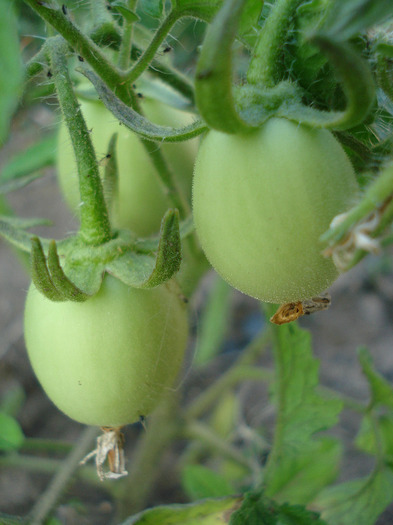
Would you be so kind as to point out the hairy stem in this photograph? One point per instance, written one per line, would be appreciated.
(265, 64)
(145, 59)
(95, 226)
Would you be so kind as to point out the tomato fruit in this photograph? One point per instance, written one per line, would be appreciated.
(107, 361)
(262, 200)
(141, 202)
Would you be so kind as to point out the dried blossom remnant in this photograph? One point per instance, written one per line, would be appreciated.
(357, 238)
(109, 447)
(289, 312)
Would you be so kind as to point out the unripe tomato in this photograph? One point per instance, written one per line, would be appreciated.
(107, 361)
(261, 202)
(141, 203)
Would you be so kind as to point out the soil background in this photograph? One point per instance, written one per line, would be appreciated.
(361, 314)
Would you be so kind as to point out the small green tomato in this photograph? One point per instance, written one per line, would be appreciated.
(141, 202)
(261, 202)
(107, 361)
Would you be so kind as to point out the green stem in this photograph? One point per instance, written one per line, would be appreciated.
(84, 47)
(47, 501)
(201, 432)
(145, 59)
(265, 64)
(126, 41)
(95, 226)
(46, 466)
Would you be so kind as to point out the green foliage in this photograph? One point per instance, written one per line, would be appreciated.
(207, 512)
(200, 482)
(11, 434)
(361, 500)
(257, 509)
(10, 67)
(302, 411)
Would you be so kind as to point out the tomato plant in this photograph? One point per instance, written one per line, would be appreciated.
(139, 202)
(262, 200)
(109, 360)
(290, 98)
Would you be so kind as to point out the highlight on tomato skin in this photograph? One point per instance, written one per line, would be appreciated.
(109, 360)
(262, 200)
(141, 202)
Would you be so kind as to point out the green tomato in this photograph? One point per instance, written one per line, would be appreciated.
(141, 202)
(107, 361)
(261, 202)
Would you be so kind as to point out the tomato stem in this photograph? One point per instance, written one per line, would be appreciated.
(159, 36)
(95, 226)
(126, 40)
(265, 65)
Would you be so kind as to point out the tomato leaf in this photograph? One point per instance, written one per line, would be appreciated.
(367, 440)
(257, 509)
(381, 391)
(30, 160)
(348, 18)
(10, 66)
(201, 482)
(153, 8)
(137, 122)
(360, 501)
(301, 411)
(11, 434)
(207, 512)
(308, 473)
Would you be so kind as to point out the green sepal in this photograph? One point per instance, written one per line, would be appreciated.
(125, 12)
(40, 274)
(213, 80)
(357, 83)
(137, 122)
(148, 271)
(66, 288)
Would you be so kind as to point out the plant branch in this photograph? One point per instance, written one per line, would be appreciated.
(265, 63)
(45, 504)
(95, 226)
(145, 59)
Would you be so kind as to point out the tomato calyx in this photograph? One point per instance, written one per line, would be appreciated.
(110, 449)
(73, 271)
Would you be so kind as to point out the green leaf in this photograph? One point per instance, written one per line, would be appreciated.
(207, 512)
(16, 184)
(202, 9)
(248, 24)
(301, 411)
(201, 482)
(10, 66)
(28, 161)
(11, 434)
(307, 474)
(381, 390)
(126, 13)
(152, 8)
(137, 122)
(257, 510)
(213, 322)
(348, 18)
(357, 502)
(376, 436)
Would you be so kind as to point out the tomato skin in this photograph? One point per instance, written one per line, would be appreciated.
(109, 360)
(261, 202)
(141, 203)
